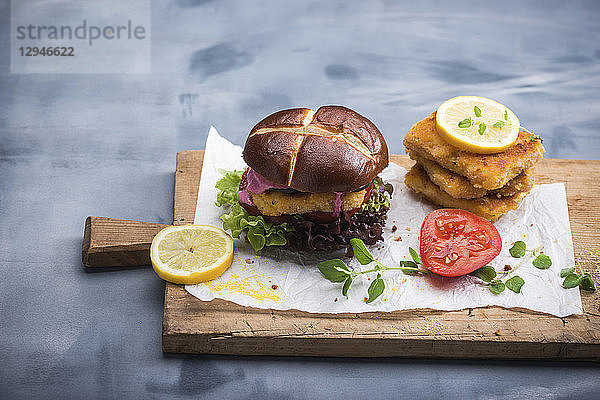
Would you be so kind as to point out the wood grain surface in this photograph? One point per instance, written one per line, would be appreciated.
(109, 242)
(221, 327)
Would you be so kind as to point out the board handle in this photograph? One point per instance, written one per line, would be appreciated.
(111, 242)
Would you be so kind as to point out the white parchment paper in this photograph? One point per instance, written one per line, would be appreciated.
(283, 280)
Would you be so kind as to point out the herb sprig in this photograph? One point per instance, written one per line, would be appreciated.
(518, 250)
(337, 271)
(480, 120)
(574, 279)
(541, 261)
(489, 275)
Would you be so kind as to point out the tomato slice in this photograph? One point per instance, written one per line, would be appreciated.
(457, 242)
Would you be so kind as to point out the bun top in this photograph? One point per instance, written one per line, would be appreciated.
(333, 149)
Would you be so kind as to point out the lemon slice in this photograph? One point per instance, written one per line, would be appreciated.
(477, 124)
(191, 254)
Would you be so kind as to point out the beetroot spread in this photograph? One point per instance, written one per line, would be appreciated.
(253, 182)
(258, 184)
(244, 197)
(337, 204)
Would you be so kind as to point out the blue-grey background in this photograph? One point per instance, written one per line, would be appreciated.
(78, 145)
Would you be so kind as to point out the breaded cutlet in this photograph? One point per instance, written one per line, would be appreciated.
(487, 171)
(489, 207)
(274, 203)
(458, 186)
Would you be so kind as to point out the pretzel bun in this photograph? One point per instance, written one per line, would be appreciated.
(333, 149)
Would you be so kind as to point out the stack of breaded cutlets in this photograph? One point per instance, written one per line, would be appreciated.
(488, 185)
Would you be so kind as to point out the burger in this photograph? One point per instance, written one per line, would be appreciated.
(311, 182)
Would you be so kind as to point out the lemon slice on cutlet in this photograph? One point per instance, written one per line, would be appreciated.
(477, 124)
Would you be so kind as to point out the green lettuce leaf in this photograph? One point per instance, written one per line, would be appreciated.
(259, 232)
(380, 196)
(228, 187)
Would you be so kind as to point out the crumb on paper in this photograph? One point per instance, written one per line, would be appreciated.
(398, 239)
(507, 267)
(394, 228)
(249, 261)
(408, 228)
(365, 299)
(335, 300)
(274, 287)
(497, 332)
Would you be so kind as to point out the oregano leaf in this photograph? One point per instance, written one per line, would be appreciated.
(409, 264)
(465, 123)
(375, 289)
(566, 271)
(482, 128)
(515, 283)
(542, 262)
(362, 254)
(497, 287)
(334, 270)
(346, 286)
(571, 281)
(414, 255)
(518, 249)
(486, 274)
(586, 282)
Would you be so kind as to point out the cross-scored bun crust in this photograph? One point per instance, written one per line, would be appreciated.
(333, 149)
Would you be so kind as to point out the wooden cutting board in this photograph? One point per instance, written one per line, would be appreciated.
(221, 327)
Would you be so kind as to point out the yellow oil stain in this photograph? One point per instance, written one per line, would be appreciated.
(250, 286)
